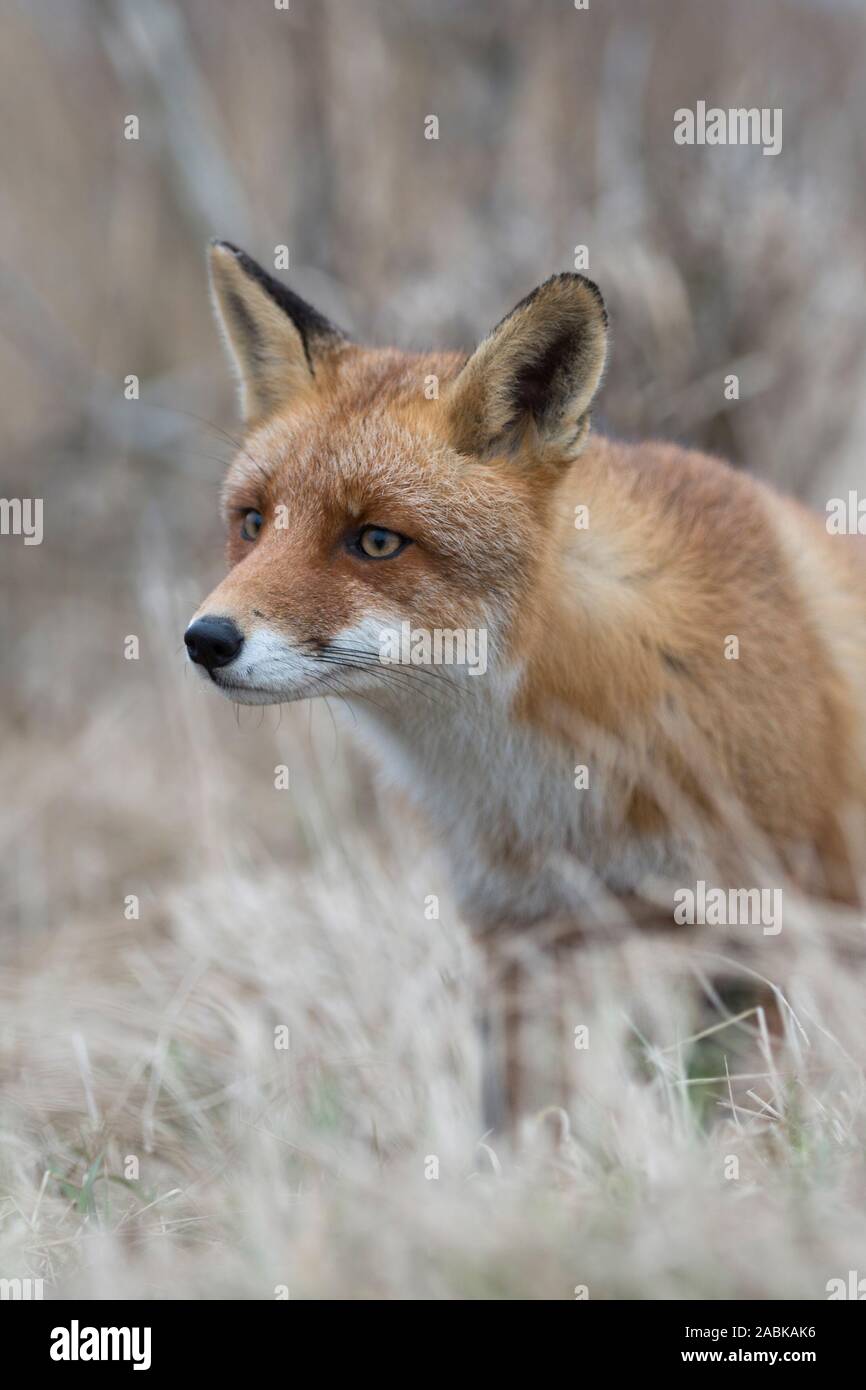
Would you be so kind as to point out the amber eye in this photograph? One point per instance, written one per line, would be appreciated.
(251, 525)
(379, 544)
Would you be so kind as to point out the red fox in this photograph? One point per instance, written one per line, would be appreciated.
(674, 683)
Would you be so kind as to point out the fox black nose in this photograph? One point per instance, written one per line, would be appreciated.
(213, 642)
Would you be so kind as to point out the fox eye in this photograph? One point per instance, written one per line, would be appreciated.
(377, 543)
(251, 525)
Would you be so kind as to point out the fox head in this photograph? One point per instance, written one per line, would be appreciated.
(378, 488)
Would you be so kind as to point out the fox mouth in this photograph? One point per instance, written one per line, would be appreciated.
(308, 687)
(246, 694)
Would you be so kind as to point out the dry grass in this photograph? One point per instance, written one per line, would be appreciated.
(258, 908)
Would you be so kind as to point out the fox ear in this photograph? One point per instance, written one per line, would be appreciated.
(275, 339)
(535, 374)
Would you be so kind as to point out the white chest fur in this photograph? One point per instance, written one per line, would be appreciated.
(525, 839)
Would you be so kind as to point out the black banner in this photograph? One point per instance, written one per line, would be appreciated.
(68, 1338)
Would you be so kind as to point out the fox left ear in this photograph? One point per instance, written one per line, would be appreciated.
(536, 372)
(276, 340)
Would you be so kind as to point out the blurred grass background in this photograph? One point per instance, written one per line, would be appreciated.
(152, 1037)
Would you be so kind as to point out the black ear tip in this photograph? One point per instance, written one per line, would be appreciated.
(596, 294)
(217, 244)
(573, 277)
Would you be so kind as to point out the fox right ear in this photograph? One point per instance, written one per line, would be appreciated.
(276, 341)
(535, 375)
